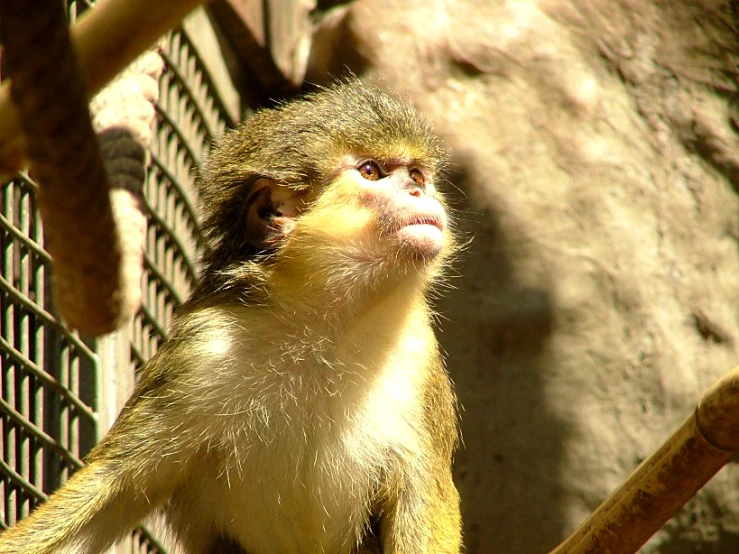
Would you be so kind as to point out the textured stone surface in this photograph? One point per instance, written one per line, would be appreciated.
(597, 162)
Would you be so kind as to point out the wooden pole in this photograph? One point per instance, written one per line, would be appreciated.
(667, 479)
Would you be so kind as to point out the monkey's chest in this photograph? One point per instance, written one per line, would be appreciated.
(304, 476)
(295, 498)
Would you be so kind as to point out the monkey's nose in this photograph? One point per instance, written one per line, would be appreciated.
(414, 189)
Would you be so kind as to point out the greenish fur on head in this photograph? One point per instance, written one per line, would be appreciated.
(300, 143)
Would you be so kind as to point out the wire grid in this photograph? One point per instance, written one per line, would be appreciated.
(189, 116)
(48, 374)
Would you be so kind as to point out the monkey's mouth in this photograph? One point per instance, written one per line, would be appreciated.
(423, 234)
(432, 220)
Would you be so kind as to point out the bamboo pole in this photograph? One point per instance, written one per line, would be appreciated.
(667, 479)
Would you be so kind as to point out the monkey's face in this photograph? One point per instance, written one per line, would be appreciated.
(377, 219)
(401, 212)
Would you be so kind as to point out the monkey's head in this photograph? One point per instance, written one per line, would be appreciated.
(340, 185)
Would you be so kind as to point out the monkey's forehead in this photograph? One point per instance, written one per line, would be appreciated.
(385, 124)
(302, 141)
(353, 115)
(403, 151)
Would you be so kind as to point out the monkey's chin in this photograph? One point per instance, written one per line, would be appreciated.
(421, 239)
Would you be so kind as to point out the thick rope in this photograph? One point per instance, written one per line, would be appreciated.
(48, 90)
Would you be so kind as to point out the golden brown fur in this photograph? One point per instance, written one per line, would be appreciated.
(300, 404)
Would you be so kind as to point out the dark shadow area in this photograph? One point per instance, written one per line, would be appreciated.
(496, 334)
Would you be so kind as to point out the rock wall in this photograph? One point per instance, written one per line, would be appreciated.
(596, 173)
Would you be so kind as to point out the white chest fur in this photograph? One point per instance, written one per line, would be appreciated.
(312, 428)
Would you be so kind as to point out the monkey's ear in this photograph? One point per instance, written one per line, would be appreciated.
(270, 212)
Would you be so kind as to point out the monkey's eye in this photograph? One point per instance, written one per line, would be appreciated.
(417, 176)
(370, 170)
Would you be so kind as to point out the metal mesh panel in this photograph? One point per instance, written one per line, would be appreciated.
(189, 117)
(47, 422)
(49, 376)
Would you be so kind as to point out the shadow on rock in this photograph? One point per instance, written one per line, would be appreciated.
(496, 331)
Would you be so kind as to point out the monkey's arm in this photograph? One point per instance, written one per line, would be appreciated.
(131, 472)
(98, 504)
(423, 517)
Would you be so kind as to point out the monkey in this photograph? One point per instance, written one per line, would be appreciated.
(300, 404)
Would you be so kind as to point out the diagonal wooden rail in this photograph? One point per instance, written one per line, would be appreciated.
(667, 479)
